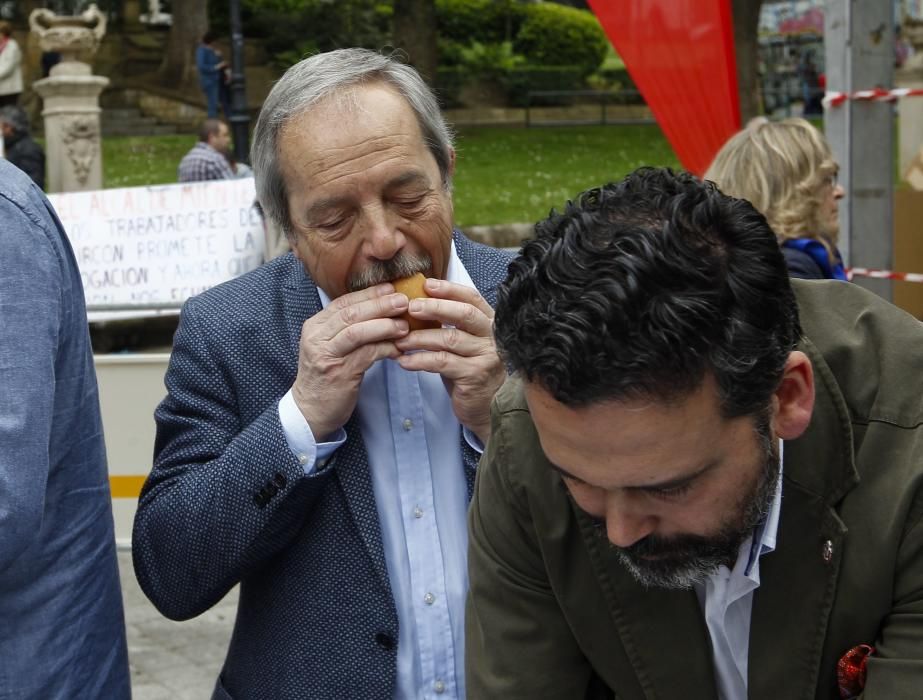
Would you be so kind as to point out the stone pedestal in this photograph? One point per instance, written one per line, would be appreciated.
(72, 127)
(71, 99)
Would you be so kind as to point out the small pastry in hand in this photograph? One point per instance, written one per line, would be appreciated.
(413, 287)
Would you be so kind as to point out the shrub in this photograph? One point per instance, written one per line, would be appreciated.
(484, 21)
(555, 35)
(520, 81)
(449, 83)
(292, 28)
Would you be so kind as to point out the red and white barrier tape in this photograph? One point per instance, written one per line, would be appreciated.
(884, 274)
(835, 99)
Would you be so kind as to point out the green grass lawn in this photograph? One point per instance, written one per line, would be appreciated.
(503, 174)
(132, 161)
(510, 174)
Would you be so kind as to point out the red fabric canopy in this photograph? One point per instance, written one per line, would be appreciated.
(680, 54)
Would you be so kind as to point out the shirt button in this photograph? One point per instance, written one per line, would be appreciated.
(429, 599)
(302, 459)
(408, 424)
(439, 687)
(417, 512)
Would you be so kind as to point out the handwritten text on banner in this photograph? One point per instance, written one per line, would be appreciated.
(162, 243)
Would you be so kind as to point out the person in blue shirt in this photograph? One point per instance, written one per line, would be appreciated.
(786, 170)
(210, 65)
(62, 628)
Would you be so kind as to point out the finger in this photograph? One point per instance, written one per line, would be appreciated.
(452, 340)
(443, 289)
(341, 302)
(356, 335)
(450, 366)
(367, 355)
(462, 315)
(386, 306)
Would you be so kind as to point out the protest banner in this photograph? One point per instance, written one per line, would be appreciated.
(161, 244)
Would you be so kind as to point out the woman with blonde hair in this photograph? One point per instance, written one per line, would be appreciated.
(786, 170)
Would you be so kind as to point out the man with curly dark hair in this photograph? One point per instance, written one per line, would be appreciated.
(684, 494)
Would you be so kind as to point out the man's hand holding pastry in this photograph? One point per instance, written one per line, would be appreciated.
(337, 346)
(461, 349)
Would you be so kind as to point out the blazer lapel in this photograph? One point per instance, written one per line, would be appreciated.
(352, 464)
(792, 606)
(352, 470)
(798, 581)
(663, 632)
(301, 302)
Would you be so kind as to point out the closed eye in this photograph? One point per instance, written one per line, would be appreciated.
(671, 493)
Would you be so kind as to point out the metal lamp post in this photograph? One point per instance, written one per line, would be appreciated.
(240, 118)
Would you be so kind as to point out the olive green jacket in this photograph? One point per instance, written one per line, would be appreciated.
(551, 613)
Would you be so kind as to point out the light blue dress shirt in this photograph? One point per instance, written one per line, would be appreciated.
(726, 598)
(412, 438)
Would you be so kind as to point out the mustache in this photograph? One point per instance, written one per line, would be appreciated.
(380, 271)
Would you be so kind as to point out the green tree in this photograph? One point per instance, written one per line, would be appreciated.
(746, 14)
(414, 31)
(190, 22)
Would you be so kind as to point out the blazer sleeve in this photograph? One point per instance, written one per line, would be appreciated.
(31, 308)
(896, 669)
(222, 497)
(518, 644)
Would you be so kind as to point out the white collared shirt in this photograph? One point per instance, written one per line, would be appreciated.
(726, 599)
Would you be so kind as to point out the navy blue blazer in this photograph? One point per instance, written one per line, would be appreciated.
(227, 502)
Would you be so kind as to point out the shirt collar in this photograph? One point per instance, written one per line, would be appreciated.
(763, 540)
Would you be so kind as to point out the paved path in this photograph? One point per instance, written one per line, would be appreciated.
(173, 660)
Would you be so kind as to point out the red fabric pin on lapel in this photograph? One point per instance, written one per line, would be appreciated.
(850, 670)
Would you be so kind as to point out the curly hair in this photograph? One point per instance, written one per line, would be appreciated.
(782, 169)
(642, 287)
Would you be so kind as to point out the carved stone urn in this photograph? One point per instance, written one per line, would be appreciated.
(71, 98)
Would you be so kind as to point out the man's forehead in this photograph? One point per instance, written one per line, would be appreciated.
(635, 431)
(351, 102)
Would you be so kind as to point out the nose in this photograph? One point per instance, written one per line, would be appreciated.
(627, 521)
(383, 238)
(839, 192)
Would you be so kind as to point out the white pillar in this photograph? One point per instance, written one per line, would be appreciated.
(73, 144)
(859, 50)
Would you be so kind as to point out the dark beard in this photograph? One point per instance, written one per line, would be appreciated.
(398, 267)
(682, 561)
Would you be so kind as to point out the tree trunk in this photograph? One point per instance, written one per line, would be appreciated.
(190, 22)
(746, 15)
(414, 32)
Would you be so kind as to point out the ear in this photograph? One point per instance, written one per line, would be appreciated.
(793, 400)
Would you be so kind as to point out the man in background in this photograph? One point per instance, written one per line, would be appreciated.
(208, 159)
(62, 630)
(18, 145)
(683, 494)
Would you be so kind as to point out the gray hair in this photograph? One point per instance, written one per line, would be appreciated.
(16, 118)
(318, 77)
